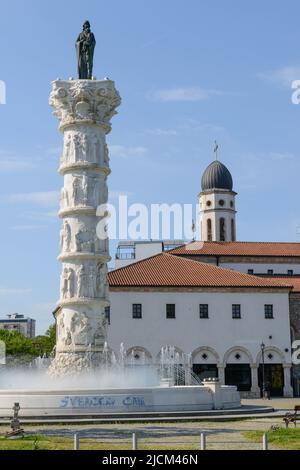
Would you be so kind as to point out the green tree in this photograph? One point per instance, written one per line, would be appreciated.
(19, 350)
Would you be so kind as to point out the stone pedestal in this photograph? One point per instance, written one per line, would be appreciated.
(215, 386)
(84, 109)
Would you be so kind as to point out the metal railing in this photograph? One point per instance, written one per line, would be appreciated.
(202, 442)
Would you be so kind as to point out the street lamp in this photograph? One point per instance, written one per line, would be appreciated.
(262, 347)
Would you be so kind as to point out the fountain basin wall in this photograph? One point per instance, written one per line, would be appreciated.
(110, 401)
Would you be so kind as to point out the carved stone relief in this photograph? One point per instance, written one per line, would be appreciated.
(67, 283)
(65, 237)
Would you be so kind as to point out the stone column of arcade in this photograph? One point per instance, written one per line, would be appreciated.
(84, 109)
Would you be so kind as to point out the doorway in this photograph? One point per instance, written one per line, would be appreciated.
(273, 379)
(206, 371)
(239, 375)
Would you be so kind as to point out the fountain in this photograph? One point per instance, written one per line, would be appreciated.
(118, 387)
(85, 378)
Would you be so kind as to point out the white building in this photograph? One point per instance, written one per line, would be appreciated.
(220, 345)
(219, 316)
(16, 322)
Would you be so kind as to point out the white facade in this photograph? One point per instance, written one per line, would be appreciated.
(217, 215)
(263, 268)
(219, 340)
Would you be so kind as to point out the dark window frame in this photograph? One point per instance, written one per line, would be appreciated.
(107, 314)
(209, 230)
(170, 311)
(203, 311)
(269, 312)
(137, 311)
(236, 311)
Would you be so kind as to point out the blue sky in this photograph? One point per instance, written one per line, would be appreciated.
(188, 73)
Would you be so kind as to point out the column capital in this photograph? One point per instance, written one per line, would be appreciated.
(78, 102)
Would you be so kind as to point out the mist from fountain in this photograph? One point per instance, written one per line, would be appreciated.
(116, 371)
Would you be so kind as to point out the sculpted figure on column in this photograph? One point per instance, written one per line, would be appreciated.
(65, 237)
(85, 46)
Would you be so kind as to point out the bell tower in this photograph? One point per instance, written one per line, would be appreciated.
(217, 204)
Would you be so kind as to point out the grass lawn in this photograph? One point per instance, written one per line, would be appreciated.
(287, 439)
(60, 443)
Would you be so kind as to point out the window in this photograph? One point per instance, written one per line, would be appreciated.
(137, 311)
(208, 203)
(232, 230)
(290, 272)
(222, 230)
(270, 271)
(250, 271)
(236, 311)
(107, 314)
(269, 311)
(222, 203)
(203, 310)
(209, 231)
(170, 311)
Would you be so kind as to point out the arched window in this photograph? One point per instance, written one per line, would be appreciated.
(209, 231)
(222, 230)
(232, 230)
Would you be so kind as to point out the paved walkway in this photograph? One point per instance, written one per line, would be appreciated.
(226, 435)
(277, 403)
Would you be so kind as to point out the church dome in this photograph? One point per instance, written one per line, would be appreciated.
(216, 176)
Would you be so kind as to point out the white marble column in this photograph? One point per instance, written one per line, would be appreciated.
(84, 109)
(255, 390)
(287, 389)
(221, 374)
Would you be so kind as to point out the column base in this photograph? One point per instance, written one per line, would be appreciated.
(288, 392)
(69, 364)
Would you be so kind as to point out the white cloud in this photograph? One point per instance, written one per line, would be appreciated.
(54, 151)
(14, 164)
(26, 228)
(125, 152)
(184, 94)
(162, 132)
(283, 76)
(281, 156)
(45, 198)
(13, 291)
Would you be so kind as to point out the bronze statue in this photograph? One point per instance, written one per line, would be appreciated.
(85, 46)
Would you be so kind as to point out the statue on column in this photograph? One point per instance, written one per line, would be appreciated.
(65, 237)
(82, 282)
(85, 46)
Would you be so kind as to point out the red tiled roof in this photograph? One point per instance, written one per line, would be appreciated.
(291, 281)
(174, 271)
(238, 249)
